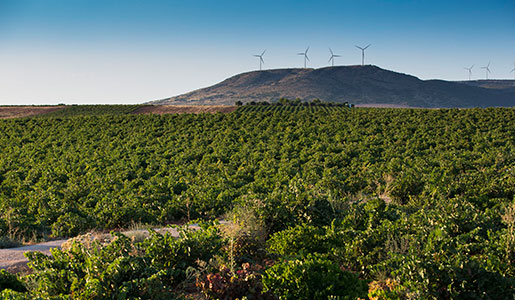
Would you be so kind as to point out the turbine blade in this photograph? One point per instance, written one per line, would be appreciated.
(307, 49)
(262, 60)
(471, 67)
(263, 53)
(307, 57)
(330, 59)
(300, 53)
(336, 55)
(367, 46)
(331, 51)
(358, 47)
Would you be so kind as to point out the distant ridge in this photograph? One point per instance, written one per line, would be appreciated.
(364, 85)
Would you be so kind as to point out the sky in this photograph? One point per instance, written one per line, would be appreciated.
(133, 51)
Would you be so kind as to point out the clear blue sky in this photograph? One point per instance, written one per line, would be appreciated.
(128, 51)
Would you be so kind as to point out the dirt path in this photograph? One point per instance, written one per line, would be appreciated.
(13, 260)
(14, 256)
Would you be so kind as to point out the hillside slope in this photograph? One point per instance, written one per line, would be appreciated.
(355, 84)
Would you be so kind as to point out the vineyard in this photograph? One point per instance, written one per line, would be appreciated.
(325, 202)
(287, 108)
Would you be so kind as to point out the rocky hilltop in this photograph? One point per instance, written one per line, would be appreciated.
(363, 85)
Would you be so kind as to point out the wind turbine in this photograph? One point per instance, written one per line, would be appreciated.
(363, 53)
(305, 54)
(331, 59)
(513, 71)
(487, 70)
(470, 71)
(261, 61)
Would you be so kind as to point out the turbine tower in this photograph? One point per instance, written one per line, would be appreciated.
(331, 59)
(470, 71)
(487, 70)
(261, 61)
(363, 53)
(305, 54)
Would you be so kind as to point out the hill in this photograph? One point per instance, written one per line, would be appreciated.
(492, 83)
(355, 84)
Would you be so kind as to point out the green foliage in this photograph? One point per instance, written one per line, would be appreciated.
(442, 275)
(10, 281)
(405, 187)
(304, 166)
(287, 102)
(312, 277)
(301, 239)
(13, 295)
(175, 256)
(111, 272)
(121, 270)
(70, 224)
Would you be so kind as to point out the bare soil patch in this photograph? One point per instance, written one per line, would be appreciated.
(10, 112)
(14, 261)
(184, 109)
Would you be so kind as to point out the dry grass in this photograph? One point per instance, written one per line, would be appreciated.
(10, 112)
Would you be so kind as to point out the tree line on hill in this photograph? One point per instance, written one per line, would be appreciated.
(296, 102)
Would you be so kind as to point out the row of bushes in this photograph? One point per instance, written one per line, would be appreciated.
(296, 102)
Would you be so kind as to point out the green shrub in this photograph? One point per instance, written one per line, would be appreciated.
(70, 224)
(152, 269)
(13, 295)
(441, 275)
(301, 239)
(10, 281)
(406, 186)
(111, 272)
(312, 277)
(176, 255)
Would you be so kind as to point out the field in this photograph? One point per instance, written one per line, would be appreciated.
(9, 112)
(91, 110)
(325, 201)
(59, 111)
